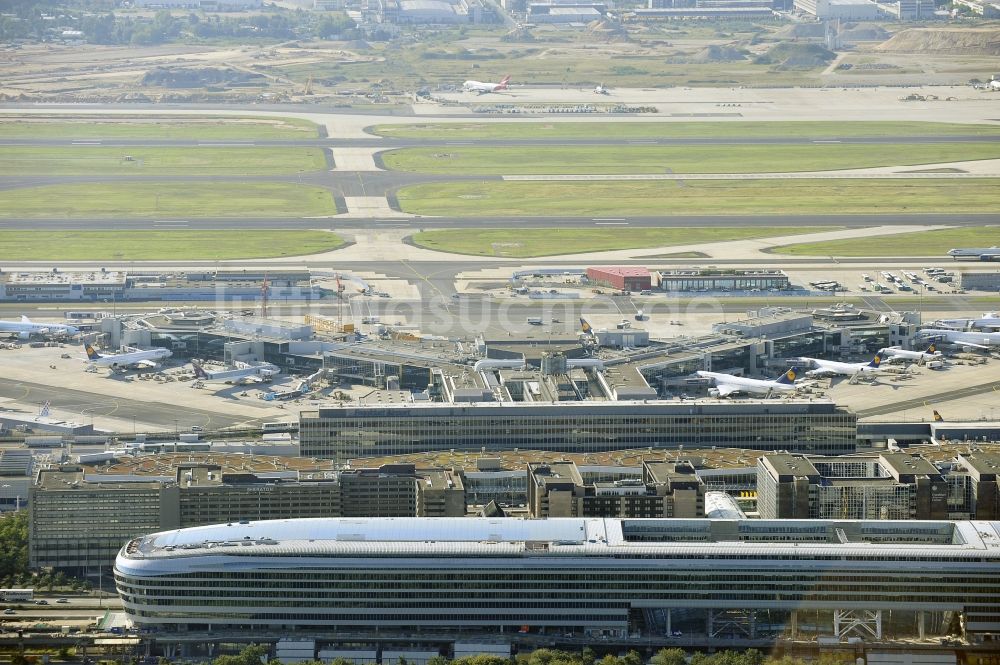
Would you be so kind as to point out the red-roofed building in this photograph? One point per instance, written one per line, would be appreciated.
(626, 278)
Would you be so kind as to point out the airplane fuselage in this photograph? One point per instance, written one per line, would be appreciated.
(982, 339)
(833, 367)
(743, 384)
(121, 360)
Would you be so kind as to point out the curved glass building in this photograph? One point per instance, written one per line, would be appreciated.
(582, 576)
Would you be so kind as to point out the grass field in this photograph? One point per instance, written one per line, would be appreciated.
(162, 245)
(693, 197)
(922, 243)
(525, 243)
(652, 130)
(99, 160)
(166, 126)
(524, 160)
(160, 200)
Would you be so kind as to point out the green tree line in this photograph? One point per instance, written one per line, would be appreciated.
(254, 655)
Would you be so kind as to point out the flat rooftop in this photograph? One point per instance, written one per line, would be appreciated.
(704, 406)
(455, 537)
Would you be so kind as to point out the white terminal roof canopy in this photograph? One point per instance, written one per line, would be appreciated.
(446, 537)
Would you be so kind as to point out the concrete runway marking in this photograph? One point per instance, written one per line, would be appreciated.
(86, 143)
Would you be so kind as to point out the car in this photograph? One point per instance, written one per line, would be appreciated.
(677, 633)
(41, 602)
(9, 610)
(63, 600)
(197, 428)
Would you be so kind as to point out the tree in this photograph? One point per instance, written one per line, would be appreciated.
(669, 657)
(252, 655)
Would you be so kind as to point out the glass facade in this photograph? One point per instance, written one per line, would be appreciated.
(603, 587)
(351, 432)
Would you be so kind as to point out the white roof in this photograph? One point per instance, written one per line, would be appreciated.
(597, 542)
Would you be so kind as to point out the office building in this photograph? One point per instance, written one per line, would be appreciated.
(973, 486)
(710, 279)
(896, 486)
(80, 518)
(588, 577)
(624, 278)
(666, 489)
(981, 281)
(346, 432)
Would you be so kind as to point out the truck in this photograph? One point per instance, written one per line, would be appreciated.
(535, 320)
(14, 595)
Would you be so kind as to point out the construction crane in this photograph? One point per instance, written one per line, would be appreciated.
(340, 310)
(264, 292)
(308, 90)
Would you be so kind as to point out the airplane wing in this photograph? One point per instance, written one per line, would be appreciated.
(975, 346)
(726, 389)
(147, 364)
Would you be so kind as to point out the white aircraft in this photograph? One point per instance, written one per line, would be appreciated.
(981, 253)
(835, 368)
(25, 328)
(601, 90)
(141, 359)
(242, 373)
(484, 88)
(989, 320)
(727, 384)
(976, 340)
(893, 352)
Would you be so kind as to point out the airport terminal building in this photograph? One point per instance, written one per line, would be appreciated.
(589, 577)
(342, 433)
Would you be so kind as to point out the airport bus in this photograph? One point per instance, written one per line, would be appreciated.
(14, 595)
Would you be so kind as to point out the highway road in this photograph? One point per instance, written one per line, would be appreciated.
(562, 222)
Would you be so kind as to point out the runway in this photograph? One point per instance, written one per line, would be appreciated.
(335, 223)
(394, 143)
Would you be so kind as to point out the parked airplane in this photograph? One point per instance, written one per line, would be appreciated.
(601, 90)
(976, 340)
(981, 253)
(242, 373)
(893, 352)
(835, 368)
(989, 320)
(484, 88)
(141, 359)
(727, 384)
(25, 328)
(585, 327)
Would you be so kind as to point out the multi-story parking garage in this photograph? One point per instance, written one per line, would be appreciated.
(589, 577)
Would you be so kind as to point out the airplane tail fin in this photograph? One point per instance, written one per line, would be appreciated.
(876, 361)
(938, 418)
(585, 327)
(504, 82)
(25, 319)
(788, 378)
(91, 353)
(199, 371)
(932, 349)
